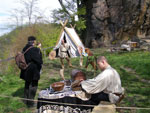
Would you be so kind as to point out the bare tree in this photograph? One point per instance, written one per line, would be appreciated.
(30, 9)
(28, 13)
(17, 17)
(67, 11)
(71, 6)
(72, 10)
(64, 7)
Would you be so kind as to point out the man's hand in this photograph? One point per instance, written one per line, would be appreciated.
(76, 85)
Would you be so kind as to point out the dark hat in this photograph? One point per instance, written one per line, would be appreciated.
(31, 38)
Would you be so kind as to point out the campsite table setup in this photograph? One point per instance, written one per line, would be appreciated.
(66, 100)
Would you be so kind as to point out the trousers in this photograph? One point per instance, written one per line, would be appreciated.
(30, 92)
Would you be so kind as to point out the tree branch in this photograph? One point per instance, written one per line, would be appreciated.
(63, 7)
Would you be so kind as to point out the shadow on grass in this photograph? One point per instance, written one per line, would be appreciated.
(18, 93)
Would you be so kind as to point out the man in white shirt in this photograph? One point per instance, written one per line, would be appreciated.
(106, 86)
(64, 48)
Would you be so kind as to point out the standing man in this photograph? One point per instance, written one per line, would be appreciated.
(106, 86)
(91, 59)
(31, 75)
(64, 53)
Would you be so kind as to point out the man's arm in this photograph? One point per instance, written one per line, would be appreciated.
(97, 84)
(37, 56)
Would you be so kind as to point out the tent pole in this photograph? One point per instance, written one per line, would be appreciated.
(61, 29)
(74, 26)
(77, 34)
(71, 37)
(71, 26)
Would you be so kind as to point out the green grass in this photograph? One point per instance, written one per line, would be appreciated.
(136, 91)
(11, 86)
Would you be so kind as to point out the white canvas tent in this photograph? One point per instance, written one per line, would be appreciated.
(72, 39)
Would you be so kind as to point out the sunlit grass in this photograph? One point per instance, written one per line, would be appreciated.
(136, 91)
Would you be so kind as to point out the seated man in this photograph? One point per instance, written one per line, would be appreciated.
(106, 86)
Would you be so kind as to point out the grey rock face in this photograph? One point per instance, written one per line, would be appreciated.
(111, 20)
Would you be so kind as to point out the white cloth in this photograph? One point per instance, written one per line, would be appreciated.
(107, 81)
(67, 92)
(125, 46)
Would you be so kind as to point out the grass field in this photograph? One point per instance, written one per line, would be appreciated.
(133, 67)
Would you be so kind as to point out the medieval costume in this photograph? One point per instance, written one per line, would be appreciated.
(105, 87)
(64, 54)
(31, 75)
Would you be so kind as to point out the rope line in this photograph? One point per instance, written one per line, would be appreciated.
(43, 49)
(11, 58)
(5, 60)
(100, 105)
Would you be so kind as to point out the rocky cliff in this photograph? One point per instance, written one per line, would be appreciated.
(109, 21)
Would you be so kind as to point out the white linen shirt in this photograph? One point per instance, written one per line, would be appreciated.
(107, 81)
(63, 50)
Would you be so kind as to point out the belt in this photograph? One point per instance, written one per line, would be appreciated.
(64, 51)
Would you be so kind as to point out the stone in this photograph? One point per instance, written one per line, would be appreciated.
(114, 3)
(95, 44)
(100, 12)
(114, 18)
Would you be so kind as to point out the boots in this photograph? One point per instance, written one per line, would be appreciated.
(26, 95)
(62, 63)
(62, 74)
(32, 93)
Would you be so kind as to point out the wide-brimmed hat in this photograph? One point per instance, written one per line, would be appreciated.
(52, 55)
